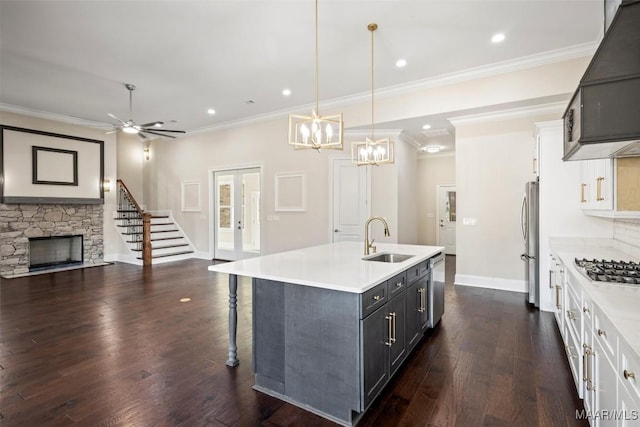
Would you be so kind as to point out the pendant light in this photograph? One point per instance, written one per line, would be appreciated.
(372, 151)
(315, 131)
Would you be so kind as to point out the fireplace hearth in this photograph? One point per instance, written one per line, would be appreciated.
(55, 251)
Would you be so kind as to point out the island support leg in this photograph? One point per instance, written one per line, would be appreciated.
(233, 320)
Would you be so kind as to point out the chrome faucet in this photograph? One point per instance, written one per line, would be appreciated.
(369, 245)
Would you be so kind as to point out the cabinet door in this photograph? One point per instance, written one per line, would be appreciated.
(417, 311)
(605, 383)
(398, 349)
(603, 183)
(558, 300)
(375, 353)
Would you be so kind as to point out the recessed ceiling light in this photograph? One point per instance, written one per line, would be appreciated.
(497, 38)
(286, 92)
(426, 127)
(432, 148)
(401, 63)
(211, 111)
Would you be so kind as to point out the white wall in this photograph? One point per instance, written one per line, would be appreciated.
(130, 163)
(407, 173)
(493, 163)
(433, 170)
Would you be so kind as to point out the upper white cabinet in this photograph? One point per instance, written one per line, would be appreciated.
(610, 188)
(596, 184)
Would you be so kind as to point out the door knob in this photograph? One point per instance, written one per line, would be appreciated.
(336, 231)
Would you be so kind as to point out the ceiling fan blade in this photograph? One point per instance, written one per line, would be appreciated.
(142, 128)
(147, 125)
(111, 131)
(156, 133)
(115, 118)
(142, 137)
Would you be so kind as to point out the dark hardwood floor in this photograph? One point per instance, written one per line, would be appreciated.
(114, 346)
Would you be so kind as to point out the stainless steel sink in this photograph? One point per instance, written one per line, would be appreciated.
(387, 257)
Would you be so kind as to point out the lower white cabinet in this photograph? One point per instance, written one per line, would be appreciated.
(605, 369)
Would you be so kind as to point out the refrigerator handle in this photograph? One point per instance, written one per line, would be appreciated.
(523, 218)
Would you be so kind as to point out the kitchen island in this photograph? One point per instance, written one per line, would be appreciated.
(331, 328)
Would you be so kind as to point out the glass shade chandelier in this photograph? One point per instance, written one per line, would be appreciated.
(315, 131)
(372, 151)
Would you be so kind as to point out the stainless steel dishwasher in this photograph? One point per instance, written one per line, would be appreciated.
(436, 289)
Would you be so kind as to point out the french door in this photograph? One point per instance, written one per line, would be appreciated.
(237, 214)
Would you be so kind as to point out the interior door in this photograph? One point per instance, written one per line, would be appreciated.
(350, 200)
(237, 214)
(447, 218)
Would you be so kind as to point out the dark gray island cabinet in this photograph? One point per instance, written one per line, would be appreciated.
(331, 351)
(331, 327)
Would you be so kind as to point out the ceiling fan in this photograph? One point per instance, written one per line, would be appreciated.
(129, 126)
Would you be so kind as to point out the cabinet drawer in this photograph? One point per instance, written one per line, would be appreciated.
(574, 353)
(629, 370)
(413, 273)
(605, 334)
(373, 298)
(397, 284)
(424, 268)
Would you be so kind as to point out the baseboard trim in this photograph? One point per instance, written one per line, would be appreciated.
(128, 259)
(202, 255)
(491, 283)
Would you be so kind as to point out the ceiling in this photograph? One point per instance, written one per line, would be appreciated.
(71, 58)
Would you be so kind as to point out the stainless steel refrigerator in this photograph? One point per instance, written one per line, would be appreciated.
(530, 237)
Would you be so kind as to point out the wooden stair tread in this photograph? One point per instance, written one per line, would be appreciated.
(152, 231)
(163, 247)
(156, 239)
(171, 254)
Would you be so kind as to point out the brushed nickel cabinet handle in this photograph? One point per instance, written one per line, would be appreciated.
(629, 374)
(582, 188)
(399, 285)
(570, 355)
(585, 310)
(377, 297)
(550, 279)
(389, 330)
(570, 315)
(602, 333)
(558, 306)
(534, 165)
(394, 326)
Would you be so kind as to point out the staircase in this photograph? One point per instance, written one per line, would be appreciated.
(165, 242)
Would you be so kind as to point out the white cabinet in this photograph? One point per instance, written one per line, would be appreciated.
(606, 370)
(596, 184)
(609, 188)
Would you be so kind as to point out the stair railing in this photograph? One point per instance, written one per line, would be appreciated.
(136, 221)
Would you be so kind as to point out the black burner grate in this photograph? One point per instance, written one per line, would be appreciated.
(625, 272)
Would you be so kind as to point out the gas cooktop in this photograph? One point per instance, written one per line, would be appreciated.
(623, 272)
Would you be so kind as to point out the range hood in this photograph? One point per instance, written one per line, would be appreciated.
(603, 117)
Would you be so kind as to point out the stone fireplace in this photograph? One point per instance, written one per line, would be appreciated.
(20, 223)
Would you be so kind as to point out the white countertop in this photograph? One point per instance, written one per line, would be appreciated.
(337, 266)
(619, 303)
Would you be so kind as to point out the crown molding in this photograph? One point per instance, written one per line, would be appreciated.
(50, 116)
(379, 133)
(530, 61)
(512, 113)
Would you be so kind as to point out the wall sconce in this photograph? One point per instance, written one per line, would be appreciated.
(147, 153)
(106, 185)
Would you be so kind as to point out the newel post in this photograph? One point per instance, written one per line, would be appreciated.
(146, 239)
